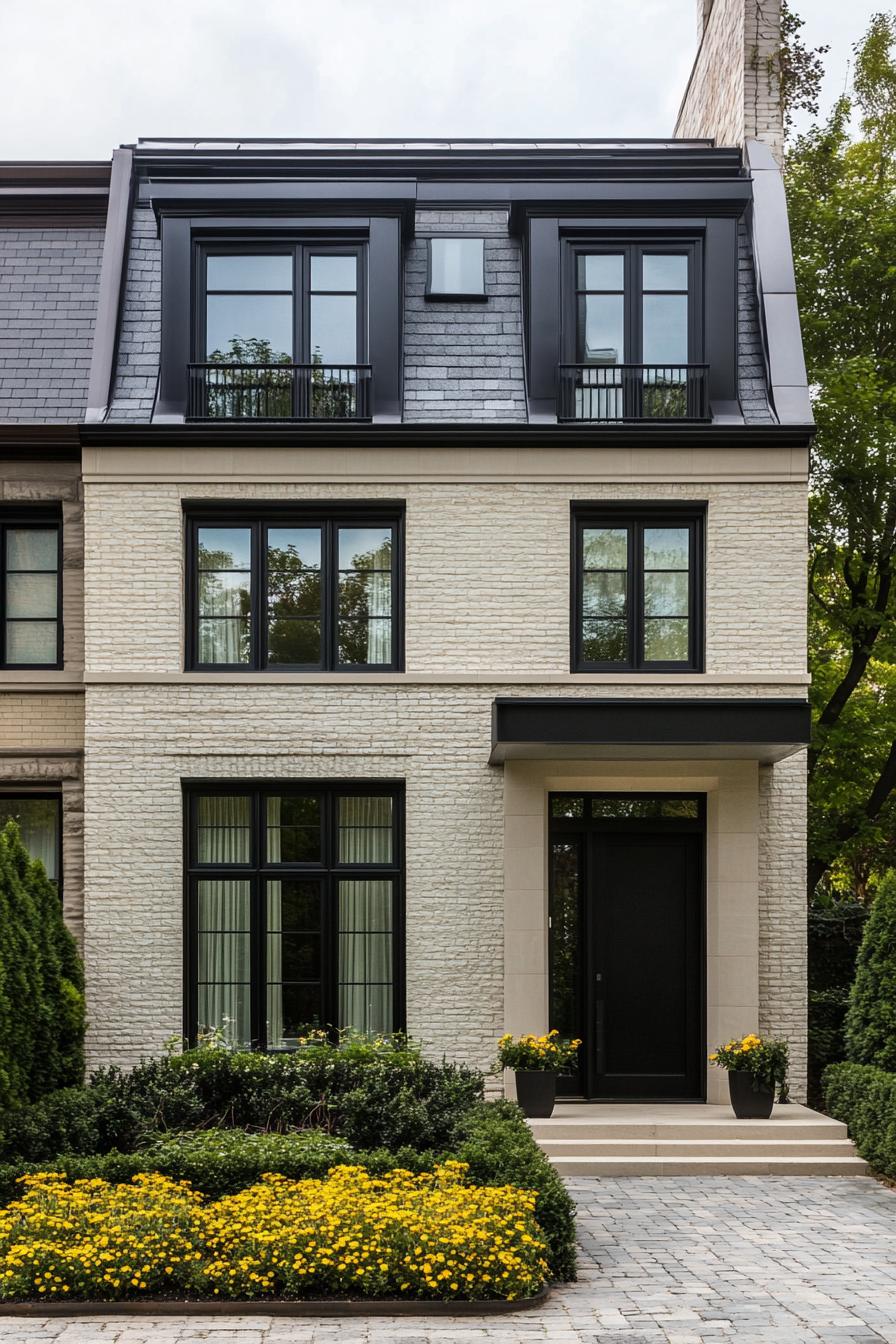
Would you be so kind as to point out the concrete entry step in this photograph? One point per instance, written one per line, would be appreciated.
(594, 1139)
(710, 1166)
(696, 1147)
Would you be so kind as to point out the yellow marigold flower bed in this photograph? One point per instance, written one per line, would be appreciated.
(400, 1235)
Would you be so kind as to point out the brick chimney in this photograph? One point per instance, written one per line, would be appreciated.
(733, 93)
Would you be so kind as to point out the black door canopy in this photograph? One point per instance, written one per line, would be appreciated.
(747, 728)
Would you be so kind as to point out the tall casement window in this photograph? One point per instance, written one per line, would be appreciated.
(632, 332)
(637, 590)
(281, 332)
(302, 589)
(295, 911)
(38, 816)
(31, 587)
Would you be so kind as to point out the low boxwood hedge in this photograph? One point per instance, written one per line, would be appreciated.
(864, 1097)
(373, 1095)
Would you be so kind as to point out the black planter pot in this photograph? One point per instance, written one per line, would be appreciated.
(536, 1091)
(746, 1103)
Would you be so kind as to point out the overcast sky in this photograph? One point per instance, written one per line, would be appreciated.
(78, 78)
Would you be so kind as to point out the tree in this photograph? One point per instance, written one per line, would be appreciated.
(41, 981)
(871, 1016)
(842, 200)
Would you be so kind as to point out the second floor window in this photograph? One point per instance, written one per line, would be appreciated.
(300, 591)
(281, 333)
(30, 583)
(637, 589)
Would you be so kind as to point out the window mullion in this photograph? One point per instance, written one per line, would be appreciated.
(636, 628)
(258, 595)
(258, 950)
(330, 589)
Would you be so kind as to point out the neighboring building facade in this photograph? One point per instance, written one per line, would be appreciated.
(444, 633)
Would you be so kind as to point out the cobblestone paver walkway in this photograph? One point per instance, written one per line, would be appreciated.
(756, 1259)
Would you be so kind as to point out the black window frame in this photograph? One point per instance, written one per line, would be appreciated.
(301, 250)
(637, 515)
(258, 872)
(633, 250)
(454, 296)
(329, 515)
(44, 521)
(8, 791)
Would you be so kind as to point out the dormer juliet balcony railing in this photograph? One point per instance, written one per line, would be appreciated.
(225, 391)
(615, 393)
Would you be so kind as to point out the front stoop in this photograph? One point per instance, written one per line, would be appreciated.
(593, 1139)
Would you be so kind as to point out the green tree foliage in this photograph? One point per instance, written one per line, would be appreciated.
(841, 190)
(41, 982)
(871, 1017)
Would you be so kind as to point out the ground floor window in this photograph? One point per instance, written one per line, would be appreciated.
(294, 910)
(38, 817)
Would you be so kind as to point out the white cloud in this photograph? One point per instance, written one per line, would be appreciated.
(78, 79)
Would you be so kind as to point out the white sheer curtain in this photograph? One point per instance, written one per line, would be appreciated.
(379, 606)
(38, 822)
(223, 920)
(365, 955)
(365, 916)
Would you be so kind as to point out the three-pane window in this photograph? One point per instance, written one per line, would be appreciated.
(30, 582)
(297, 592)
(637, 590)
(295, 912)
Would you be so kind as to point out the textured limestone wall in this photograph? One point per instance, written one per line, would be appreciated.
(782, 909)
(487, 568)
(733, 92)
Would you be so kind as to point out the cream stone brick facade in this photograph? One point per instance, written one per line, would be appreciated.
(487, 614)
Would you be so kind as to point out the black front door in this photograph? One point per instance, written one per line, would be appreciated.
(627, 950)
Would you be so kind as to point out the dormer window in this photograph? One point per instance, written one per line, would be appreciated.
(632, 333)
(456, 270)
(281, 333)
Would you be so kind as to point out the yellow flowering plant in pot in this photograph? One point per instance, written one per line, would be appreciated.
(536, 1062)
(757, 1070)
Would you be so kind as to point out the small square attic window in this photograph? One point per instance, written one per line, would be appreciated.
(456, 269)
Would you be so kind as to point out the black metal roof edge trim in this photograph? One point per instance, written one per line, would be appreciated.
(461, 435)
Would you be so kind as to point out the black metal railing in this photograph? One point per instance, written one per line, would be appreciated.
(609, 393)
(219, 391)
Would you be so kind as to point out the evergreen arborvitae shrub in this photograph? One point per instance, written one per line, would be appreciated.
(871, 1016)
(41, 982)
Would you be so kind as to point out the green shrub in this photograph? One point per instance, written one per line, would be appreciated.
(41, 982)
(835, 933)
(864, 1098)
(498, 1146)
(871, 1016)
(381, 1098)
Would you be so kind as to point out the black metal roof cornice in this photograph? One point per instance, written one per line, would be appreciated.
(439, 160)
(460, 435)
